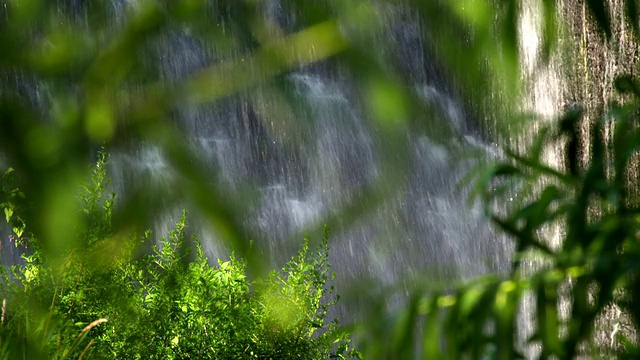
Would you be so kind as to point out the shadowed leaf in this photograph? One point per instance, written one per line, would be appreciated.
(632, 13)
(600, 11)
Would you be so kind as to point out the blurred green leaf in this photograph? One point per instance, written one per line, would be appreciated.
(388, 104)
(627, 84)
(432, 340)
(308, 46)
(549, 29)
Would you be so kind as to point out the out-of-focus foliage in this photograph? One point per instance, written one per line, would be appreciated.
(169, 304)
(594, 267)
(75, 75)
(553, 301)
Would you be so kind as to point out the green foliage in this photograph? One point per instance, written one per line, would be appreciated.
(571, 282)
(97, 82)
(12, 200)
(104, 301)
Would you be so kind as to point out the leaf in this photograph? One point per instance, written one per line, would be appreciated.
(632, 12)
(539, 143)
(506, 308)
(432, 340)
(8, 213)
(570, 119)
(600, 11)
(626, 84)
(506, 170)
(550, 29)
(469, 299)
(537, 213)
(511, 45)
(404, 333)
(18, 231)
(547, 316)
(539, 167)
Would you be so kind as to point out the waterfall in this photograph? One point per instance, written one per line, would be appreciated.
(301, 147)
(543, 99)
(307, 157)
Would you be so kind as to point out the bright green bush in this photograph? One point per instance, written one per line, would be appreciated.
(169, 304)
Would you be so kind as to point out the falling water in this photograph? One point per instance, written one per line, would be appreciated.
(542, 99)
(323, 155)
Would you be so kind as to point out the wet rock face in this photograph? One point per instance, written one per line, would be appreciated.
(590, 63)
(590, 74)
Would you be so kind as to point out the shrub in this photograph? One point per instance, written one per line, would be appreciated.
(169, 304)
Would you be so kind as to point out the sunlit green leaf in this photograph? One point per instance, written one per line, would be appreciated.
(8, 213)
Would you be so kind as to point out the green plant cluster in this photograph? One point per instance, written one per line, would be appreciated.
(106, 300)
